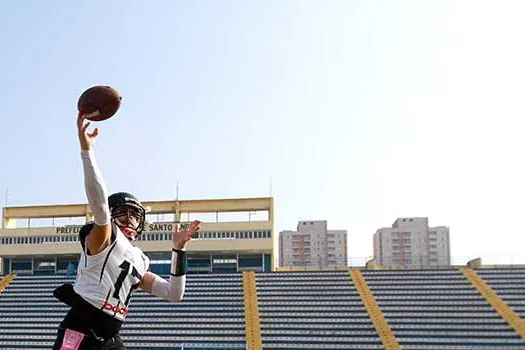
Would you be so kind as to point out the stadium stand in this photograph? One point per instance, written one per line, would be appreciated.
(439, 309)
(211, 316)
(425, 309)
(313, 310)
(509, 284)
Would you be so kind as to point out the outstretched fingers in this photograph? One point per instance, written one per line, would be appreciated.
(194, 228)
(191, 229)
(94, 133)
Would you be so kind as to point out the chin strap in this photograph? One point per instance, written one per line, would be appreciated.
(125, 235)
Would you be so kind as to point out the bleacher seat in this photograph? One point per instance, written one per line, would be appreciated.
(426, 309)
(509, 284)
(439, 309)
(313, 310)
(211, 315)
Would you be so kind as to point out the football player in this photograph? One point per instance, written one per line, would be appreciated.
(110, 266)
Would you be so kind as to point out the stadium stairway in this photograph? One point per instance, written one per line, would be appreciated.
(509, 284)
(5, 280)
(439, 309)
(376, 315)
(504, 310)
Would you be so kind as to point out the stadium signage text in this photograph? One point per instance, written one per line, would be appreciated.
(158, 227)
(69, 229)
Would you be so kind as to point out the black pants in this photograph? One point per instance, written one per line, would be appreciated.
(90, 342)
(91, 328)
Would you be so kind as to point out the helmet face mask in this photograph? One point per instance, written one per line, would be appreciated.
(127, 212)
(127, 216)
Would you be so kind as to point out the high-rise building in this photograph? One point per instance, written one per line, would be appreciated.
(313, 245)
(411, 242)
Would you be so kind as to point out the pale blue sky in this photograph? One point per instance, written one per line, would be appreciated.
(360, 111)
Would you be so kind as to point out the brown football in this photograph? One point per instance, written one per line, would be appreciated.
(99, 102)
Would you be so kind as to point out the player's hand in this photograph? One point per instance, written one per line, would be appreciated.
(182, 236)
(86, 139)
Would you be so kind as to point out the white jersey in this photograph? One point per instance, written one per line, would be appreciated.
(107, 279)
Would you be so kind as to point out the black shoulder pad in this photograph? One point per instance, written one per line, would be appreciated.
(84, 231)
(113, 232)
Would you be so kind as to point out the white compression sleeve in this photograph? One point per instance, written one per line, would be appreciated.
(172, 290)
(95, 188)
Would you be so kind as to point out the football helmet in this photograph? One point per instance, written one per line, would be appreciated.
(127, 211)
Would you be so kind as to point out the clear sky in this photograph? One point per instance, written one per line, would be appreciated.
(359, 111)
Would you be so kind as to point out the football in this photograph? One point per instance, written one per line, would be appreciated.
(99, 102)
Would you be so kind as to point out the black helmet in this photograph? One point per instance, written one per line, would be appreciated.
(120, 202)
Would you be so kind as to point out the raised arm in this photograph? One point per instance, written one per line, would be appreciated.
(100, 235)
(172, 289)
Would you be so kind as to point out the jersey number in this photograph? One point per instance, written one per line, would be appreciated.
(125, 266)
